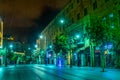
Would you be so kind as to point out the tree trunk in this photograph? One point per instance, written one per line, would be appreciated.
(103, 61)
(71, 58)
(117, 59)
(92, 55)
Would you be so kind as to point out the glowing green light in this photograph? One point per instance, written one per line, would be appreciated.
(11, 46)
(77, 36)
(62, 21)
(36, 46)
(41, 36)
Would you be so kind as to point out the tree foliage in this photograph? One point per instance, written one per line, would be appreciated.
(116, 37)
(60, 43)
(116, 41)
(100, 33)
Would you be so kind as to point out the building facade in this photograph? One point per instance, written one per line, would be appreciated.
(1, 42)
(76, 16)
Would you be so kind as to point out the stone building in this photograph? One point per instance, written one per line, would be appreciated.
(74, 18)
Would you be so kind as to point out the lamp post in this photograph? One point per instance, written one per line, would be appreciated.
(6, 52)
(41, 37)
(44, 38)
(70, 47)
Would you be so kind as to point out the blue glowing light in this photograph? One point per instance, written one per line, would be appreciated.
(59, 63)
(49, 55)
(108, 46)
(11, 46)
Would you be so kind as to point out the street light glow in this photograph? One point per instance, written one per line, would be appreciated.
(62, 21)
(77, 36)
(36, 46)
(28, 48)
(11, 46)
(50, 46)
(41, 36)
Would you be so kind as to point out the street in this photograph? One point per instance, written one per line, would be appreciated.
(50, 72)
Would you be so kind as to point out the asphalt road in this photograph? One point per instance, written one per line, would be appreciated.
(37, 72)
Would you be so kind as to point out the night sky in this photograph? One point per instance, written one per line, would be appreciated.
(25, 19)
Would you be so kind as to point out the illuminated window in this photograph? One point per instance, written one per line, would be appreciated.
(112, 26)
(111, 15)
(104, 18)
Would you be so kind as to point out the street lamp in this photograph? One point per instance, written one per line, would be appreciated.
(62, 21)
(36, 45)
(42, 39)
(29, 48)
(50, 46)
(41, 36)
(11, 46)
(77, 36)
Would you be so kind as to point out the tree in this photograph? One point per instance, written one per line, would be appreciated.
(116, 41)
(61, 47)
(100, 34)
(60, 43)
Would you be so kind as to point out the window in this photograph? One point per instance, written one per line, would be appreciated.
(119, 14)
(78, 16)
(106, 0)
(72, 20)
(104, 18)
(71, 5)
(85, 11)
(111, 15)
(78, 1)
(94, 5)
(67, 10)
(112, 25)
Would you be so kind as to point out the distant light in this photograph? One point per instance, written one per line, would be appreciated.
(77, 36)
(59, 63)
(62, 21)
(0, 47)
(28, 48)
(109, 46)
(112, 26)
(104, 18)
(41, 36)
(1, 57)
(50, 46)
(36, 46)
(75, 54)
(42, 51)
(11, 46)
(111, 15)
(49, 55)
(97, 48)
